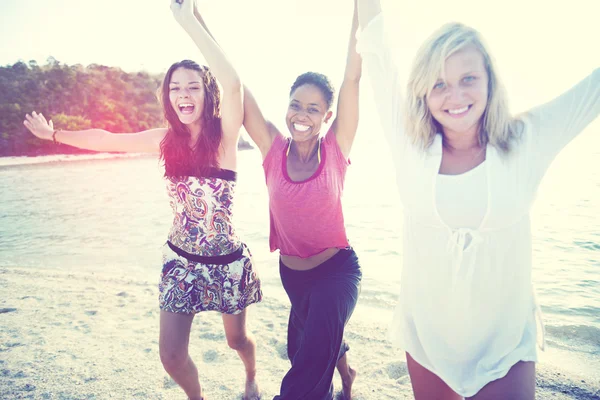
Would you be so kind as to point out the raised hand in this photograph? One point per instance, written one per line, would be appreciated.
(183, 10)
(37, 124)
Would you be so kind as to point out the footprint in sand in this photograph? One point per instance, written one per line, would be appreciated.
(91, 312)
(28, 388)
(122, 294)
(11, 345)
(281, 349)
(396, 370)
(217, 337)
(81, 326)
(169, 383)
(210, 356)
(31, 297)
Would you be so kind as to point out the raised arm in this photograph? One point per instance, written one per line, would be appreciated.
(261, 131)
(346, 121)
(381, 69)
(367, 11)
(232, 109)
(97, 139)
(557, 122)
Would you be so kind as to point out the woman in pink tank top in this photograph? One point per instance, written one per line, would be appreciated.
(305, 174)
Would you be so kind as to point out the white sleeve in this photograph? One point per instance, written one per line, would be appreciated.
(557, 122)
(383, 74)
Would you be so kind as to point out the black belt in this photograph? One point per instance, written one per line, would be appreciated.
(220, 260)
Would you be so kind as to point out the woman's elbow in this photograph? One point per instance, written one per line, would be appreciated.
(234, 86)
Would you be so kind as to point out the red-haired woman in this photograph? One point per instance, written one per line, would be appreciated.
(206, 267)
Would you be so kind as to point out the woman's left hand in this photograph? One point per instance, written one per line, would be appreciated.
(183, 11)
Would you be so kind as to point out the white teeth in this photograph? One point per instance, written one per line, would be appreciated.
(186, 108)
(459, 111)
(301, 128)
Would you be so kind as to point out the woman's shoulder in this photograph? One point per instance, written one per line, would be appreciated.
(276, 150)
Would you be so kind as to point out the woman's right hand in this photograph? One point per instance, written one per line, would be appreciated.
(37, 124)
(183, 11)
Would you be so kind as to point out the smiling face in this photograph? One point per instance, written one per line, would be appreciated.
(307, 111)
(186, 95)
(458, 100)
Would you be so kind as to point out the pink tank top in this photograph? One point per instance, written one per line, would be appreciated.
(306, 216)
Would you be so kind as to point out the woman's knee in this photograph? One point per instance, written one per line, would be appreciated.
(238, 341)
(173, 358)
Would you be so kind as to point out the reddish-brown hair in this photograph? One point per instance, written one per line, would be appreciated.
(180, 159)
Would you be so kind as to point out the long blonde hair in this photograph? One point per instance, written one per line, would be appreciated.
(499, 128)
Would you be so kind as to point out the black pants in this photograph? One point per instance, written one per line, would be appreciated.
(323, 299)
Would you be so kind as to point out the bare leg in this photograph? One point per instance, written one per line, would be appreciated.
(239, 340)
(348, 375)
(518, 384)
(426, 385)
(173, 344)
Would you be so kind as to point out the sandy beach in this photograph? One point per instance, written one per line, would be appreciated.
(82, 335)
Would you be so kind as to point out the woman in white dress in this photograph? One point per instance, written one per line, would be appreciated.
(467, 173)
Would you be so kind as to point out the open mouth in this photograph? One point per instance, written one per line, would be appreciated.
(186, 108)
(301, 128)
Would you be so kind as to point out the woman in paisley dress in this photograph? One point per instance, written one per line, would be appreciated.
(206, 267)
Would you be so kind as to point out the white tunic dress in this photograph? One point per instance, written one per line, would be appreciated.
(467, 310)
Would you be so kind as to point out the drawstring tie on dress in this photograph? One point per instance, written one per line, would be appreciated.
(460, 240)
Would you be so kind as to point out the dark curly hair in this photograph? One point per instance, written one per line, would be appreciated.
(318, 80)
(180, 159)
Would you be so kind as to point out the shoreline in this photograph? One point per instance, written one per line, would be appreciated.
(64, 151)
(14, 161)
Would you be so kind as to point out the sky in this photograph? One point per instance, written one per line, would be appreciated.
(542, 47)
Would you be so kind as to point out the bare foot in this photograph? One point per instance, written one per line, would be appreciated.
(252, 392)
(347, 382)
(199, 398)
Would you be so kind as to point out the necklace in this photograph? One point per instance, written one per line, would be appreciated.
(287, 153)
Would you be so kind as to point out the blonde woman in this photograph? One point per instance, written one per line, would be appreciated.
(467, 172)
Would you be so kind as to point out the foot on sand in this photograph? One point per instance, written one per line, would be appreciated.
(201, 396)
(347, 382)
(252, 392)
